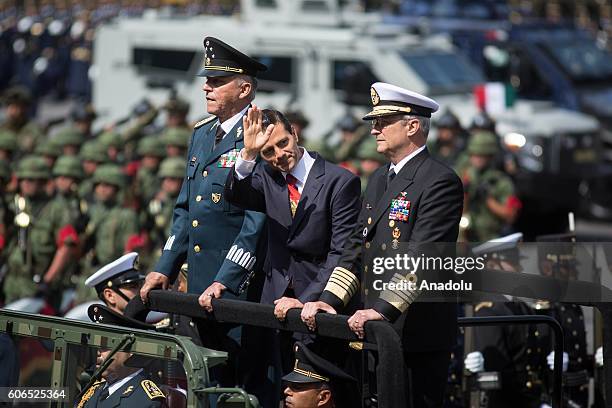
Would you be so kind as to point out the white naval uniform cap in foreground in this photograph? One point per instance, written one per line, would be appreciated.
(389, 100)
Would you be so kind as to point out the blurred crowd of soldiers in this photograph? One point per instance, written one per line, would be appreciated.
(47, 45)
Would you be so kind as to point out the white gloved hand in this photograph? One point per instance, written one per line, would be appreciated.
(474, 362)
(551, 360)
(599, 357)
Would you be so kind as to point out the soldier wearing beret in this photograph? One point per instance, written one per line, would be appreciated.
(413, 200)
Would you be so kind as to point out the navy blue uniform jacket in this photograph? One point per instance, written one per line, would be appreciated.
(305, 249)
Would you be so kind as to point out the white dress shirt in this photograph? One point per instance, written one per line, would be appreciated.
(398, 167)
(229, 124)
(116, 385)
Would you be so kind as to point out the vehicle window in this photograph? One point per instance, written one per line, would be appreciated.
(31, 363)
(279, 75)
(162, 59)
(354, 79)
(582, 60)
(444, 72)
(526, 79)
(314, 5)
(266, 3)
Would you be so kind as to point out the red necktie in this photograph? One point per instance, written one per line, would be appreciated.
(294, 194)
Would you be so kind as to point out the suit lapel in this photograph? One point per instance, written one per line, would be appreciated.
(227, 143)
(279, 187)
(313, 185)
(401, 182)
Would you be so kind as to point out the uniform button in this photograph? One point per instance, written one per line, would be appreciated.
(575, 333)
(383, 246)
(192, 324)
(369, 220)
(198, 198)
(453, 377)
(196, 249)
(580, 359)
(367, 245)
(569, 319)
(537, 333)
(577, 346)
(528, 351)
(528, 384)
(392, 223)
(205, 173)
(528, 367)
(194, 223)
(365, 268)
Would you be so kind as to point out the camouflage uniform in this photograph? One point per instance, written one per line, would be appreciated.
(480, 184)
(146, 182)
(108, 232)
(38, 223)
(28, 133)
(90, 151)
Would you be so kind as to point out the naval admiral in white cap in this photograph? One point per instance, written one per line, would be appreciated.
(415, 199)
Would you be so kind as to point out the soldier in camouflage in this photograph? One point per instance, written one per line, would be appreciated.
(69, 140)
(491, 205)
(146, 183)
(92, 156)
(17, 101)
(110, 227)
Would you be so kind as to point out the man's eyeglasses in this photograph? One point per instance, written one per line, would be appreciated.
(383, 122)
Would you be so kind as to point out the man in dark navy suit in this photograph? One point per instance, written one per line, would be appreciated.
(312, 206)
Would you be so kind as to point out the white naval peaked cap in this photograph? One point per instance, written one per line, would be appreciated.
(389, 99)
(126, 263)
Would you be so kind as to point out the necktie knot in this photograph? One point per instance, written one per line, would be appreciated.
(291, 180)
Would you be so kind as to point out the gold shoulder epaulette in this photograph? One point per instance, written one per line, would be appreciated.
(204, 121)
(151, 389)
(483, 304)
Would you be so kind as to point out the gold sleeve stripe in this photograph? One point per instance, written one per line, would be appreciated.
(400, 299)
(337, 284)
(344, 280)
(347, 275)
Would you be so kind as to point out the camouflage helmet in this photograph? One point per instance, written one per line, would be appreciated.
(172, 167)
(8, 140)
(68, 137)
(367, 151)
(110, 174)
(93, 151)
(176, 137)
(33, 167)
(48, 148)
(110, 139)
(17, 95)
(483, 143)
(448, 120)
(5, 171)
(69, 166)
(177, 105)
(151, 146)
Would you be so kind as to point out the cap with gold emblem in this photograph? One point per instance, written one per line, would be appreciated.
(311, 368)
(117, 273)
(389, 100)
(220, 59)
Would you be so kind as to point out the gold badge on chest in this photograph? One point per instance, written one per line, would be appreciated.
(216, 197)
(396, 235)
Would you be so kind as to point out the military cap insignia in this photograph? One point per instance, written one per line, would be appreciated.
(216, 197)
(375, 97)
(207, 61)
(151, 389)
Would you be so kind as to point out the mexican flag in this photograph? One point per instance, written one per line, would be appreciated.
(494, 97)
